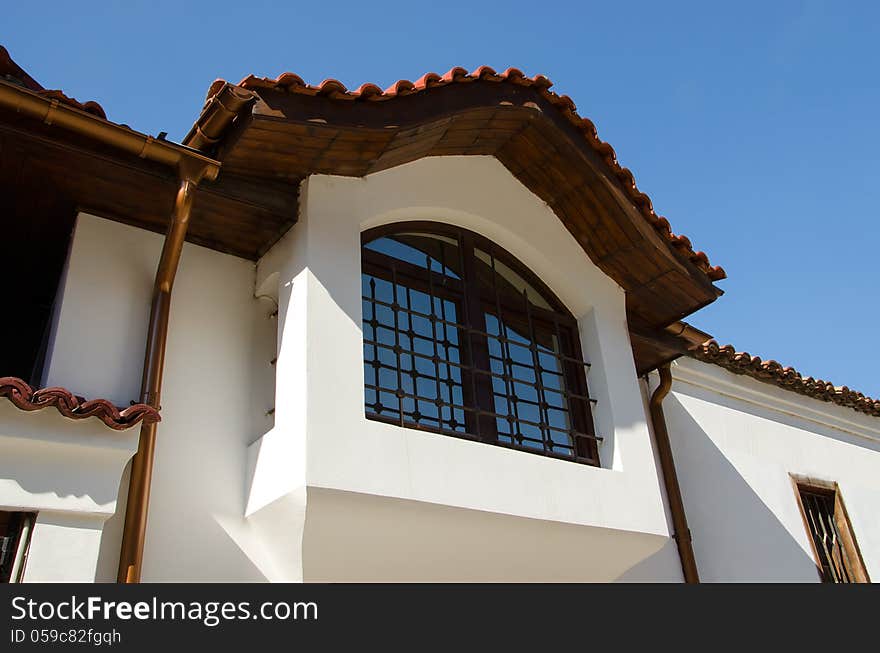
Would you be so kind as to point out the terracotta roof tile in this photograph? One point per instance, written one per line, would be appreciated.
(740, 362)
(292, 83)
(89, 107)
(11, 71)
(73, 407)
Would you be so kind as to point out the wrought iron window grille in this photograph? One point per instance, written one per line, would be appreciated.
(838, 559)
(473, 346)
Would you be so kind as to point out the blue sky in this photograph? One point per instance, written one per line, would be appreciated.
(753, 126)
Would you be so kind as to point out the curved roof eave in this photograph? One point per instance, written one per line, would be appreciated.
(285, 128)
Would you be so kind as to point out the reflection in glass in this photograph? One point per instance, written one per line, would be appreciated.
(436, 253)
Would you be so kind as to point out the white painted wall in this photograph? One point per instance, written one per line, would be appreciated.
(218, 386)
(360, 537)
(65, 548)
(736, 441)
(321, 493)
(318, 492)
(321, 419)
(68, 472)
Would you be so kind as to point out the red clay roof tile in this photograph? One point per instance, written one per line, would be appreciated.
(786, 377)
(292, 83)
(73, 407)
(15, 73)
(89, 107)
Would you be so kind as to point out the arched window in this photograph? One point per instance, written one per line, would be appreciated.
(461, 339)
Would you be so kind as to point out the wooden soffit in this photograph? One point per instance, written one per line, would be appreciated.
(234, 215)
(286, 136)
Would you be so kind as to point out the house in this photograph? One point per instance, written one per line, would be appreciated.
(428, 333)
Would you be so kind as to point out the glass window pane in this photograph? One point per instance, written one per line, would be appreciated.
(429, 251)
(411, 355)
(488, 355)
(495, 274)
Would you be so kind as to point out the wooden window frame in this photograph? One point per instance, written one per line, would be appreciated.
(475, 300)
(842, 522)
(24, 527)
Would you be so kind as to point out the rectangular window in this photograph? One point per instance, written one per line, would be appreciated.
(15, 535)
(834, 545)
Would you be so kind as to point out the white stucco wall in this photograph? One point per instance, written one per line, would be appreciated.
(67, 472)
(65, 548)
(736, 442)
(231, 484)
(320, 373)
(218, 387)
(318, 492)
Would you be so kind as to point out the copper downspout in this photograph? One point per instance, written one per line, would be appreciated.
(217, 114)
(681, 532)
(133, 535)
(191, 167)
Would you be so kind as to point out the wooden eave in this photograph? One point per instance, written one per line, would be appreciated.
(98, 179)
(285, 137)
(278, 138)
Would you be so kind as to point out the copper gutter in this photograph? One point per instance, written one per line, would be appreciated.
(681, 532)
(220, 110)
(53, 112)
(191, 168)
(692, 335)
